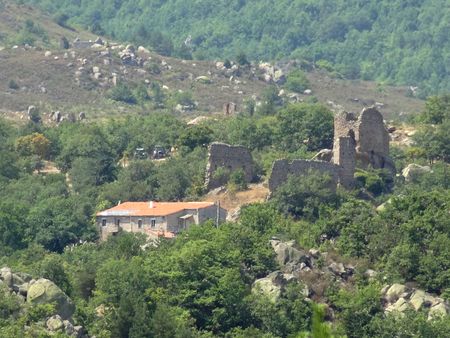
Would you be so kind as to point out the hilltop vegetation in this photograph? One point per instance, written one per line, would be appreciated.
(399, 42)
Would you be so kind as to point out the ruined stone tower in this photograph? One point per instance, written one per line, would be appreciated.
(344, 156)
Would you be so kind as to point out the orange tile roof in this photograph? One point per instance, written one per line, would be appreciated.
(159, 208)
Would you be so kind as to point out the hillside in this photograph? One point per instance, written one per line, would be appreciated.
(401, 42)
(56, 79)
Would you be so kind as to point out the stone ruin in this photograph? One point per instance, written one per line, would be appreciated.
(230, 158)
(371, 136)
(358, 141)
(229, 108)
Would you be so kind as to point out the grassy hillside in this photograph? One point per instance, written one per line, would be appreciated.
(29, 77)
(401, 42)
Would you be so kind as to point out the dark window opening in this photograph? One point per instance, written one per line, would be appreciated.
(103, 222)
(153, 222)
(139, 223)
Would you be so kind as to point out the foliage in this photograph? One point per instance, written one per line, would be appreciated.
(122, 93)
(297, 81)
(306, 196)
(237, 179)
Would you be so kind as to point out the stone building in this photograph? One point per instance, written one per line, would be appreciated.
(361, 141)
(225, 159)
(156, 219)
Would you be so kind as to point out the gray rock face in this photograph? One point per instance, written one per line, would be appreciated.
(286, 253)
(44, 291)
(273, 285)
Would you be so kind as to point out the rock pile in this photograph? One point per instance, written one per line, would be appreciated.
(271, 73)
(42, 291)
(129, 57)
(399, 298)
(297, 265)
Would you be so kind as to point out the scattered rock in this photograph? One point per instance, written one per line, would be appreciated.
(438, 310)
(48, 54)
(307, 92)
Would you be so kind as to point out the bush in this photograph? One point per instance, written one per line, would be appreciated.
(237, 180)
(376, 181)
(13, 85)
(122, 93)
(306, 196)
(297, 81)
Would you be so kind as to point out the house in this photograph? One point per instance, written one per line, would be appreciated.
(157, 219)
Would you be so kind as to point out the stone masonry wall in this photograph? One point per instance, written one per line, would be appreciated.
(282, 169)
(373, 136)
(344, 155)
(230, 158)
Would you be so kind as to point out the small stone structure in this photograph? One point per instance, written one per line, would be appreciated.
(362, 141)
(230, 158)
(229, 108)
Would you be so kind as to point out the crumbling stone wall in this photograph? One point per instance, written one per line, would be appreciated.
(283, 168)
(344, 156)
(373, 136)
(230, 158)
(362, 140)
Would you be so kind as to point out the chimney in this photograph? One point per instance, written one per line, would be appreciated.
(151, 204)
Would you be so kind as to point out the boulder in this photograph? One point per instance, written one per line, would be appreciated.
(32, 110)
(286, 253)
(68, 327)
(203, 79)
(44, 291)
(314, 253)
(394, 292)
(400, 305)
(324, 155)
(142, 49)
(268, 286)
(438, 310)
(279, 77)
(55, 323)
(414, 171)
(337, 268)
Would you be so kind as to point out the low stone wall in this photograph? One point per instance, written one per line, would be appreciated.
(283, 168)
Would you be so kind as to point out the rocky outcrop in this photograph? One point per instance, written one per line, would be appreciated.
(398, 298)
(44, 291)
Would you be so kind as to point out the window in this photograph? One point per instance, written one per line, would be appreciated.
(153, 222)
(181, 223)
(139, 223)
(104, 222)
(118, 222)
